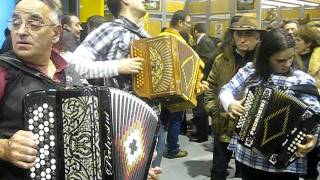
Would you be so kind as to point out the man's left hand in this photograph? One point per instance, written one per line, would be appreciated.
(304, 149)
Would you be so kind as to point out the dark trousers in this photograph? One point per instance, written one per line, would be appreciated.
(248, 173)
(200, 119)
(221, 159)
(312, 165)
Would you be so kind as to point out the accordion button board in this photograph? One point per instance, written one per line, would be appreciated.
(94, 133)
(273, 123)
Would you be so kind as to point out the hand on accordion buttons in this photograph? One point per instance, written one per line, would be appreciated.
(204, 86)
(130, 66)
(21, 149)
(236, 108)
(304, 149)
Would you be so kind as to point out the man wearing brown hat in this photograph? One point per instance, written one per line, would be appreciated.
(245, 35)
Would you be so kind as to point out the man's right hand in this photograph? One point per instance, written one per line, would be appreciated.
(130, 66)
(21, 149)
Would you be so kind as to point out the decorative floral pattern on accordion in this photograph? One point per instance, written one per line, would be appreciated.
(79, 114)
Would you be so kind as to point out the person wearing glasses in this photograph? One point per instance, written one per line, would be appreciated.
(35, 27)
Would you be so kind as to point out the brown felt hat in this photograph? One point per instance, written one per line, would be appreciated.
(246, 23)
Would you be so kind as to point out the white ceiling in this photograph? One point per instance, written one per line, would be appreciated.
(289, 3)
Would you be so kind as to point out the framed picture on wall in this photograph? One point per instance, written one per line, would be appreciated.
(245, 5)
(154, 5)
(218, 29)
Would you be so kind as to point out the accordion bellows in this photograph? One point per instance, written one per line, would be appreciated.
(90, 134)
(171, 72)
(273, 123)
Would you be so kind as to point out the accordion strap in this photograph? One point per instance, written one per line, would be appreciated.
(19, 65)
(306, 89)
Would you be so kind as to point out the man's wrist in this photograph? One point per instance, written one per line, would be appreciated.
(3, 149)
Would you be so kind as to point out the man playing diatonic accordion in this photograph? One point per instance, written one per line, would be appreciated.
(274, 65)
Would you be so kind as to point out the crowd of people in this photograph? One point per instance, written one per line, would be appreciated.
(40, 39)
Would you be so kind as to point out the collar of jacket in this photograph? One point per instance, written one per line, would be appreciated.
(314, 64)
(173, 32)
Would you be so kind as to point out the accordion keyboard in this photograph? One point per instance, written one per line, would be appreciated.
(41, 123)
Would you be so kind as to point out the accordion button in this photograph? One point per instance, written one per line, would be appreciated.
(32, 169)
(45, 105)
(35, 118)
(46, 153)
(37, 159)
(48, 170)
(42, 156)
(30, 121)
(51, 120)
(37, 142)
(37, 165)
(53, 161)
(41, 132)
(40, 115)
(35, 112)
(32, 175)
(48, 176)
(51, 137)
(42, 162)
(40, 109)
(46, 129)
(46, 147)
(41, 150)
(30, 127)
(46, 123)
(52, 143)
(41, 126)
(53, 167)
(51, 114)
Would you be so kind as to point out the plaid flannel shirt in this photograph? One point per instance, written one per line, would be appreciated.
(237, 86)
(111, 41)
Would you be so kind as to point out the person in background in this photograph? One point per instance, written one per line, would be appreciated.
(290, 26)
(273, 65)
(238, 48)
(7, 43)
(307, 46)
(205, 48)
(71, 23)
(111, 42)
(179, 23)
(94, 21)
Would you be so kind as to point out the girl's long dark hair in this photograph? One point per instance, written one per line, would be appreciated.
(272, 42)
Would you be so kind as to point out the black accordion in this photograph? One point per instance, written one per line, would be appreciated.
(273, 123)
(91, 133)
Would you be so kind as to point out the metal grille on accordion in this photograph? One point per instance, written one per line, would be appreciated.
(171, 72)
(91, 133)
(273, 123)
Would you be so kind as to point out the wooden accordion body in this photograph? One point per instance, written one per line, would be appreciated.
(90, 134)
(171, 72)
(273, 123)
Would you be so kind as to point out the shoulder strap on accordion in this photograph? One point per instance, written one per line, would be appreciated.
(19, 65)
(306, 89)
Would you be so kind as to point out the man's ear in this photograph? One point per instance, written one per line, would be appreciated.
(66, 26)
(57, 32)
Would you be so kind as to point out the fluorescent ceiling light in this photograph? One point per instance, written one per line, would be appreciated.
(278, 4)
(302, 3)
(268, 6)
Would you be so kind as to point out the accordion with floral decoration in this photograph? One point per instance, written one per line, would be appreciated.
(91, 133)
(273, 123)
(172, 71)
